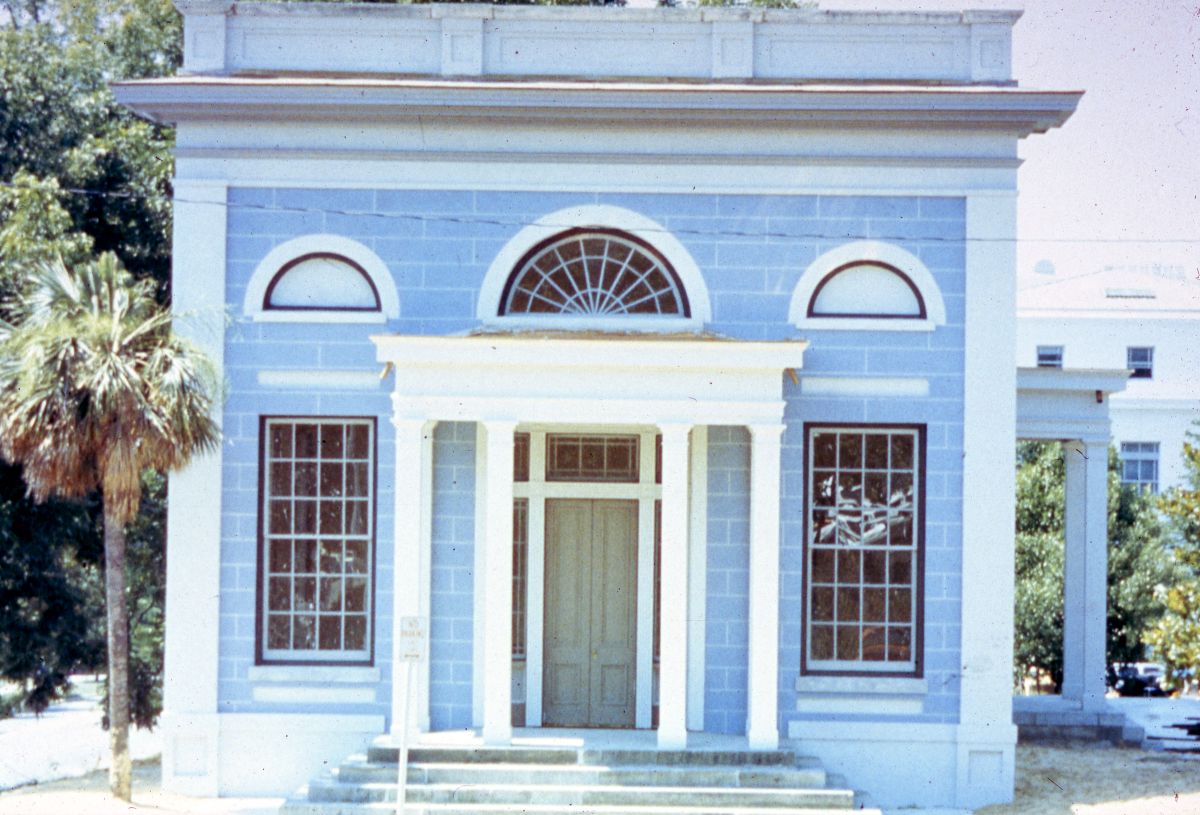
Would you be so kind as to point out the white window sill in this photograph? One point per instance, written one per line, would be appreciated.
(365, 317)
(864, 324)
(313, 674)
(862, 685)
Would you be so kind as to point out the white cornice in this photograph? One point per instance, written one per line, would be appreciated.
(213, 99)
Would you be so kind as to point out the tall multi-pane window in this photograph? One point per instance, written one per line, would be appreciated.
(1139, 465)
(1049, 356)
(863, 549)
(317, 532)
(1140, 360)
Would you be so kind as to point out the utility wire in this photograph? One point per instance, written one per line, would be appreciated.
(519, 222)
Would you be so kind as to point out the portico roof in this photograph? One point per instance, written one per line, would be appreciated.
(590, 377)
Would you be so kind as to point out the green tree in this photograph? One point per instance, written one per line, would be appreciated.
(95, 390)
(80, 175)
(1176, 638)
(49, 610)
(1138, 561)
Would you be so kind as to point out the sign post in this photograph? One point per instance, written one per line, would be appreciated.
(410, 650)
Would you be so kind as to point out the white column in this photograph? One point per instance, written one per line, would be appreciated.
(762, 726)
(494, 531)
(985, 729)
(697, 578)
(189, 722)
(1085, 573)
(411, 499)
(644, 661)
(672, 665)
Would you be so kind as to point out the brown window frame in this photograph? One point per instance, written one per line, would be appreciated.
(320, 657)
(267, 305)
(812, 313)
(869, 668)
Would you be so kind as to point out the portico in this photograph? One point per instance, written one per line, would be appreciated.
(637, 387)
(1071, 406)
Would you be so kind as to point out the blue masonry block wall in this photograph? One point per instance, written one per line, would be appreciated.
(727, 603)
(751, 250)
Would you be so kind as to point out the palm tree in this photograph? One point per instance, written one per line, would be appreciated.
(95, 389)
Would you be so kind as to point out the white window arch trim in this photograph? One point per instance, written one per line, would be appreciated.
(361, 256)
(602, 217)
(875, 253)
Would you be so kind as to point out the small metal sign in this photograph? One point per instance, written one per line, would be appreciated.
(413, 636)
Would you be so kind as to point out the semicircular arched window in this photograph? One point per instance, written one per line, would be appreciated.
(867, 289)
(321, 281)
(594, 273)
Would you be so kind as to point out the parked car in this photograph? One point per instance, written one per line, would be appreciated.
(1138, 679)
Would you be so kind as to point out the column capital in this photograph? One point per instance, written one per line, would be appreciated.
(674, 429)
(766, 432)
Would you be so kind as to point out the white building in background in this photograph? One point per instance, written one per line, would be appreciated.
(1111, 307)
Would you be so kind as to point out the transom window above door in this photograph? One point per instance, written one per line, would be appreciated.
(594, 273)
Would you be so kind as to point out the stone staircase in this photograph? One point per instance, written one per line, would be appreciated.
(453, 780)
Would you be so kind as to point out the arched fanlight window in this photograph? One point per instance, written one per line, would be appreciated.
(867, 289)
(867, 286)
(321, 281)
(594, 273)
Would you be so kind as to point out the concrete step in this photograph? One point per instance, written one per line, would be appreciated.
(384, 752)
(584, 795)
(807, 773)
(305, 807)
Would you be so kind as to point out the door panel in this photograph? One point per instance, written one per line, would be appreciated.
(566, 650)
(590, 609)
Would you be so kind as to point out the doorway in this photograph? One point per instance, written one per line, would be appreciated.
(590, 607)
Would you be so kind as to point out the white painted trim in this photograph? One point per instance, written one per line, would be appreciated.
(535, 585)
(867, 250)
(376, 270)
(762, 724)
(412, 496)
(192, 647)
(588, 175)
(697, 577)
(878, 705)
(862, 685)
(864, 386)
(988, 502)
(319, 380)
(673, 629)
(325, 317)
(644, 653)
(478, 585)
(495, 534)
(610, 217)
(571, 489)
(306, 694)
(320, 674)
(422, 671)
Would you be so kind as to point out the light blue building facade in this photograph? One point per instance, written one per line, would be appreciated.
(704, 377)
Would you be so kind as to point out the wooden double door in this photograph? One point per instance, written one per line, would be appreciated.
(590, 607)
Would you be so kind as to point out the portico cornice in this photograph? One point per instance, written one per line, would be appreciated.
(1004, 109)
(608, 379)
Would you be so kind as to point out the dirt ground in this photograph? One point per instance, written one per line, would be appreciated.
(1050, 781)
(1102, 781)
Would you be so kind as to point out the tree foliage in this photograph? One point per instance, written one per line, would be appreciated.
(1138, 561)
(1176, 638)
(94, 390)
(64, 132)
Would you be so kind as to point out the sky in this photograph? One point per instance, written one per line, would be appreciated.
(1122, 177)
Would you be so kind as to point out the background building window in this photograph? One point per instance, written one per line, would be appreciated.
(1139, 465)
(1140, 361)
(1049, 356)
(863, 549)
(317, 526)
